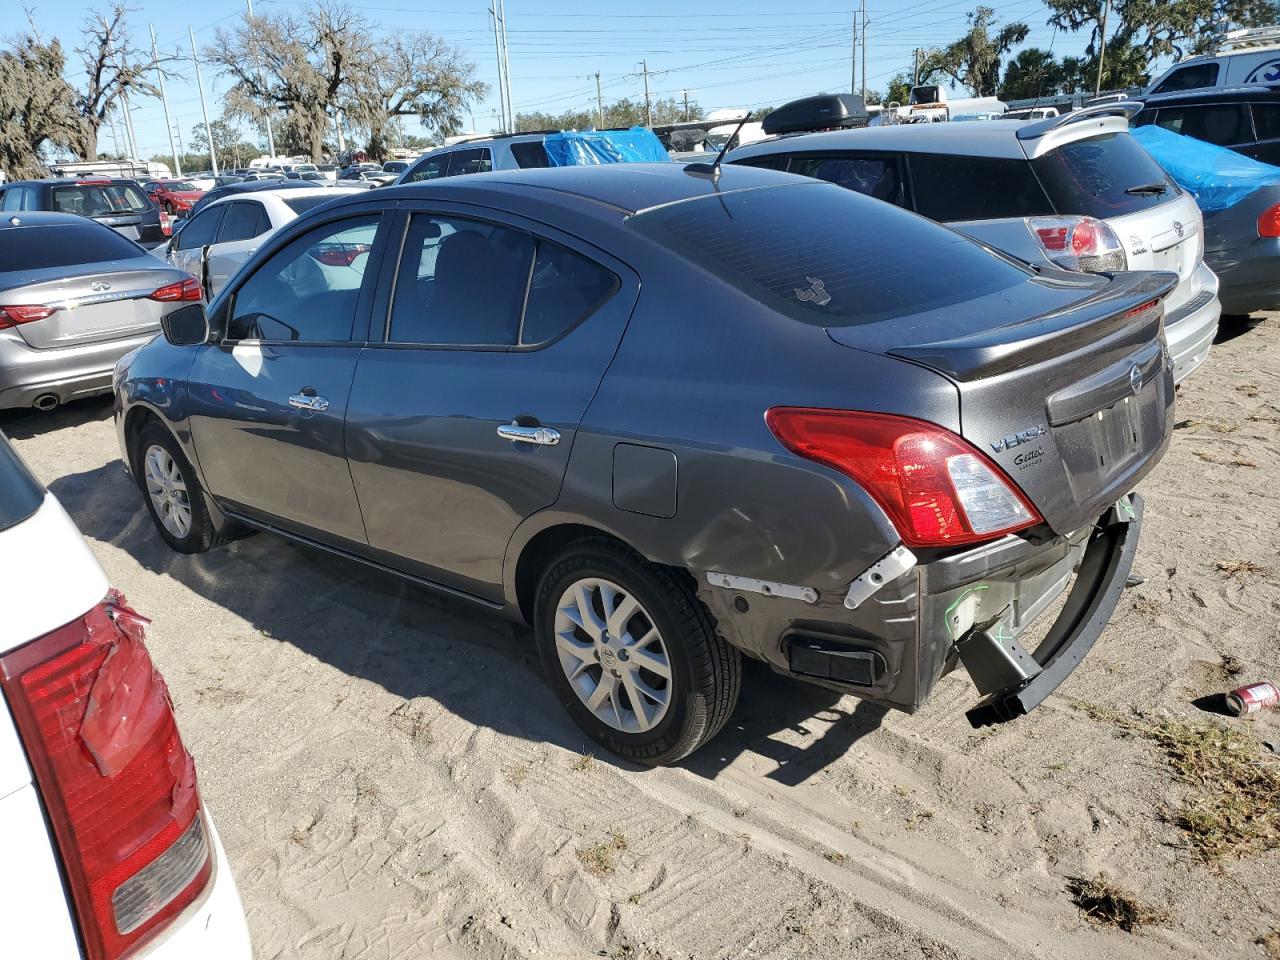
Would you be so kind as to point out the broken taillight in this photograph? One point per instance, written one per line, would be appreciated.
(936, 488)
(117, 783)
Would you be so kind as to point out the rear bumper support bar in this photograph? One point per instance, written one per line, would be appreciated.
(1099, 582)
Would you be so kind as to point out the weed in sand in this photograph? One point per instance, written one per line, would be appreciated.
(1232, 806)
(1270, 944)
(835, 856)
(584, 762)
(918, 818)
(1239, 569)
(1107, 903)
(1235, 461)
(515, 776)
(600, 859)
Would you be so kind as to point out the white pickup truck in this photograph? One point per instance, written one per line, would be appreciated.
(108, 851)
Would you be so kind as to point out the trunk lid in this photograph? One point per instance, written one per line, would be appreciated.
(1074, 404)
(103, 301)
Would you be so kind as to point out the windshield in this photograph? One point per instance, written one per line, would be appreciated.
(179, 186)
(301, 205)
(1097, 177)
(100, 200)
(828, 256)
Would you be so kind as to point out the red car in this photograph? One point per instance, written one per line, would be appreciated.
(174, 196)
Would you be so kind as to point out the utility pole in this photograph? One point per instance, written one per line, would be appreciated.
(497, 53)
(915, 77)
(1102, 51)
(271, 136)
(204, 108)
(506, 62)
(128, 127)
(686, 105)
(164, 99)
(864, 49)
(853, 57)
(115, 133)
(648, 107)
(599, 104)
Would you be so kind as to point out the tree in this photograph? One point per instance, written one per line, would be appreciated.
(620, 113)
(37, 106)
(1032, 73)
(1141, 31)
(412, 75)
(974, 60)
(898, 90)
(113, 68)
(233, 149)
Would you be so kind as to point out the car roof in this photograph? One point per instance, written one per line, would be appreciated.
(86, 180)
(986, 138)
(1237, 94)
(625, 187)
(308, 192)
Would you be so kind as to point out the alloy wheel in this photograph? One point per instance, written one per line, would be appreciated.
(167, 490)
(613, 655)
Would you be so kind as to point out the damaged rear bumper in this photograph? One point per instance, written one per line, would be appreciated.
(967, 609)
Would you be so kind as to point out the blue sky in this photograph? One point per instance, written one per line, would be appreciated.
(743, 53)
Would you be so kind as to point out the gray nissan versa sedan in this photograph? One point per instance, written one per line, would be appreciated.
(670, 420)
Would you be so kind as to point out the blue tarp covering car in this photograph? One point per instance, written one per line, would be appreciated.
(1217, 177)
(1240, 200)
(590, 147)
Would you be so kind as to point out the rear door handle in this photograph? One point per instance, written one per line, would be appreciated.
(543, 436)
(308, 401)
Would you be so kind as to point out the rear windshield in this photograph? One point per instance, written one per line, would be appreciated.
(20, 492)
(828, 256)
(100, 200)
(301, 205)
(1091, 177)
(37, 247)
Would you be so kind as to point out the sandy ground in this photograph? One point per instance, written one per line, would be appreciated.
(393, 779)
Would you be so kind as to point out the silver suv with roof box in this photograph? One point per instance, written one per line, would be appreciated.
(1075, 191)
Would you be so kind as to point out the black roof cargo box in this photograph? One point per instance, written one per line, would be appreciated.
(827, 111)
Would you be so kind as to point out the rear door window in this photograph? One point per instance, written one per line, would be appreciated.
(478, 160)
(1266, 120)
(792, 249)
(1092, 177)
(877, 176)
(427, 169)
(1188, 78)
(565, 288)
(1221, 123)
(244, 220)
(949, 187)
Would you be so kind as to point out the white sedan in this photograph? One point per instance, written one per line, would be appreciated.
(108, 848)
(217, 241)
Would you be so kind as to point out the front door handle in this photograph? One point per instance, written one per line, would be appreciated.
(543, 436)
(308, 401)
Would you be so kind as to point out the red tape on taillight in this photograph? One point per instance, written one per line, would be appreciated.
(118, 785)
(187, 289)
(936, 488)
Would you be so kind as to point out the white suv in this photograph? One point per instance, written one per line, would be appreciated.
(1243, 57)
(108, 850)
(1074, 190)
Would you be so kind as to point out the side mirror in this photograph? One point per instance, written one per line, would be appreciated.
(186, 327)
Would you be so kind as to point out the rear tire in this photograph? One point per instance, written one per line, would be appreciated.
(172, 492)
(605, 617)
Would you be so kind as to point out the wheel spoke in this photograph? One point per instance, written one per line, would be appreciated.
(638, 705)
(653, 662)
(583, 613)
(621, 614)
(601, 693)
(574, 647)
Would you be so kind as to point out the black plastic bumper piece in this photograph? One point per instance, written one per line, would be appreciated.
(1088, 608)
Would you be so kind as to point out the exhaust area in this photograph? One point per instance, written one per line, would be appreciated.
(46, 402)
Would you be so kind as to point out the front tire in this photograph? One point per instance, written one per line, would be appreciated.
(172, 492)
(633, 654)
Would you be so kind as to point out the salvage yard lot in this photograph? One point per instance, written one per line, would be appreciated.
(392, 777)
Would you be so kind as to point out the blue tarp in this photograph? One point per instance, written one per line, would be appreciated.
(637, 145)
(1217, 177)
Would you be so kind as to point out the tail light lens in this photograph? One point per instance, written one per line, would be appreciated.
(166, 223)
(118, 785)
(187, 289)
(936, 488)
(1269, 222)
(1080, 243)
(11, 316)
(339, 255)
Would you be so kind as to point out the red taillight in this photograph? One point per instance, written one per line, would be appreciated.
(11, 316)
(117, 783)
(936, 488)
(343, 255)
(187, 289)
(166, 223)
(1269, 222)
